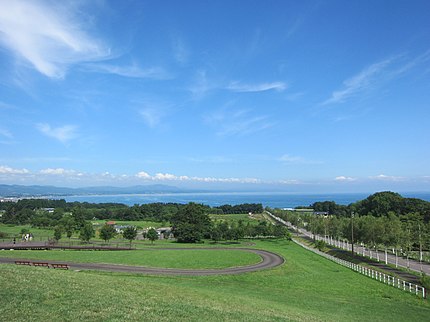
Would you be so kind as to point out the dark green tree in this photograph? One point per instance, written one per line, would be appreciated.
(152, 235)
(107, 232)
(57, 233)
(191, 224)
(129, 233)
(87, 232)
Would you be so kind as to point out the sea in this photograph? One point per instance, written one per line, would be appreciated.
(213, 199)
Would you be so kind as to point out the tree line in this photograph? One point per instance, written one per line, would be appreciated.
(383, 220)
(35, 212)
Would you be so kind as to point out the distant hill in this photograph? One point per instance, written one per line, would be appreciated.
(35, 190)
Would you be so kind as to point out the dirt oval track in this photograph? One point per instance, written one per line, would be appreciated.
(268, 260)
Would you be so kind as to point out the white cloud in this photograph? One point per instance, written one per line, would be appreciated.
(143, 175)
(172, 177)
(165, 176)
(200, 86)
(286, 158)
(262, 87)
(384, 177)
(48, 35)
(132, 71)
(375, 76)
(9, 170)
(366, 80)
(6, 133)
(151, 116)
(289, 182)
(291, 159)
(344, 179)
(180, 51)
(63, 133)
(59, 171)
(230, 122)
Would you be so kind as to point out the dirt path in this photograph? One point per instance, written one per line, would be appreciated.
(269, 260)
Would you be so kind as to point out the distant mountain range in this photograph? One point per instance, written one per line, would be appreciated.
(23, 191)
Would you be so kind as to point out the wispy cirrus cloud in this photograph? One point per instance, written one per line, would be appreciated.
(376, 75)
(200, 85)
(238, 122)
(366, 80)
(151, 116)
(6, 133)
(132, 71)
(291, 159)
(383, 177)
(6, 137)
(63, 133)
(180, 50)
(50, 36)
(260, 87)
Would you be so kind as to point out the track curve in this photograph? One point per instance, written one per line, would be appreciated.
(269, 260)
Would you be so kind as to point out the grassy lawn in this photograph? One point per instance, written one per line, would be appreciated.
(306, 288)
(38, 233)
(140, 224)
(190, 258)
(234, 218)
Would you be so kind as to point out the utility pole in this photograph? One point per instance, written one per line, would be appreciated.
(421, 248)
(352, 234)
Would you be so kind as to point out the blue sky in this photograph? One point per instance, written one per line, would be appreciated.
(299, 96)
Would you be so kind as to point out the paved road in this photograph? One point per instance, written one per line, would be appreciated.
(268, 260)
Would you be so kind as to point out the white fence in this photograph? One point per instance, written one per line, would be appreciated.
(381, 277)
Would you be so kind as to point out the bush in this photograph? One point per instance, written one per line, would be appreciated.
(425, 281)
(320, 244)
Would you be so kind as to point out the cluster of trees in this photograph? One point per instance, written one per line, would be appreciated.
(255, 208)
(31, 211)
(192, 223)
(378, 204)
(383, 220)
(226, 231)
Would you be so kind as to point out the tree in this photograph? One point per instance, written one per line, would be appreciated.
(152, 235)
(57, 233)
(216, 234)
(191, 223)
(280, 231)
(87, 232)
(129, 233)
(107, 232)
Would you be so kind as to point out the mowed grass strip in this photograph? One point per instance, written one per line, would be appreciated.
(306, 288)
(182, 259)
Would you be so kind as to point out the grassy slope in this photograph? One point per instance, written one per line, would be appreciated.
(306, 288)
(199, 259)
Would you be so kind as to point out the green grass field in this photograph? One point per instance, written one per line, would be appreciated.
(140, 224)
(306, 288)
(192, 259)
(234, 218)
(37, 232)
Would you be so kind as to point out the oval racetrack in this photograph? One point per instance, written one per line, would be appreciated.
(269, 260)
